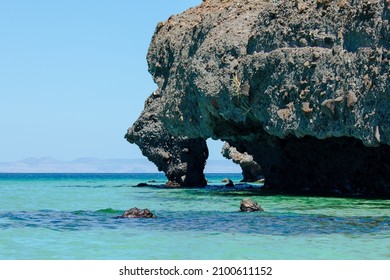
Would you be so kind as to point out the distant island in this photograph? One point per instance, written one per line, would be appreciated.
(96, 165)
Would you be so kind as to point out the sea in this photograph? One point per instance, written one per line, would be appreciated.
(75, 217)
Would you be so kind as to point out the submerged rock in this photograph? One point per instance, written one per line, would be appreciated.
(248, 205)
(138, 213)
(302, 87)
(142, 185)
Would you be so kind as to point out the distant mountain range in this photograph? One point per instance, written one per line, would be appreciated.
(95, 165)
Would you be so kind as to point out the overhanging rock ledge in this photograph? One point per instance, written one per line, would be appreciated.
(301, 86)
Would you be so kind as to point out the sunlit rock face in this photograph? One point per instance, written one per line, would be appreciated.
(301, 86)
(251, 170)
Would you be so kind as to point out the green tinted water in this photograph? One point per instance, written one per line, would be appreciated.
(74, 217)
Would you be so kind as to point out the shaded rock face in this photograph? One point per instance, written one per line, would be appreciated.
(182, 159)
(301, 86)
(330, 166)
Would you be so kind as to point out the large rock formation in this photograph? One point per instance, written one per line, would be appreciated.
(302, 86)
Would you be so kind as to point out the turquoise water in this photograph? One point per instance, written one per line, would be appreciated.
(73, 216)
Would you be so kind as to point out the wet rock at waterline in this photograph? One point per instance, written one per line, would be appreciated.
(137, 213)
(248, 205)
(228, 182)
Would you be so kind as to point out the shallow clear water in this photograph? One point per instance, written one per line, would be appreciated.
(73, 216)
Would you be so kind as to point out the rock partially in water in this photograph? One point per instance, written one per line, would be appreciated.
(229, 182)
(138, 213)
(248, 205)
(181, 159)
(251, 170)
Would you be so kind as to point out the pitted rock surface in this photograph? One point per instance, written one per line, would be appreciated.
(301, 86)
(251, 170)
(137, 213)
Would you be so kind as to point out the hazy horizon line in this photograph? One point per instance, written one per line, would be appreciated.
(99, 165)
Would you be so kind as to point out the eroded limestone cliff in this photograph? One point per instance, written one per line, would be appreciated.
(301, 86)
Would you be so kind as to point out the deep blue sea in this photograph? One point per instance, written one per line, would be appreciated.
(73, 216)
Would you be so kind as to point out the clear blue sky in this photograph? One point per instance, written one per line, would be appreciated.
(73, 75)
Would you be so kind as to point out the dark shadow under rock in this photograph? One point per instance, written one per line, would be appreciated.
(142, 185)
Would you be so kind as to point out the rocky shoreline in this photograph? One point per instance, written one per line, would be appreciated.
(299, 91)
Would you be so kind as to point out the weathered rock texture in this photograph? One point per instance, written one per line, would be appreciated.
(180, 158)
(302, 86)
(251, 170)
(137, 213)
(248, 205)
